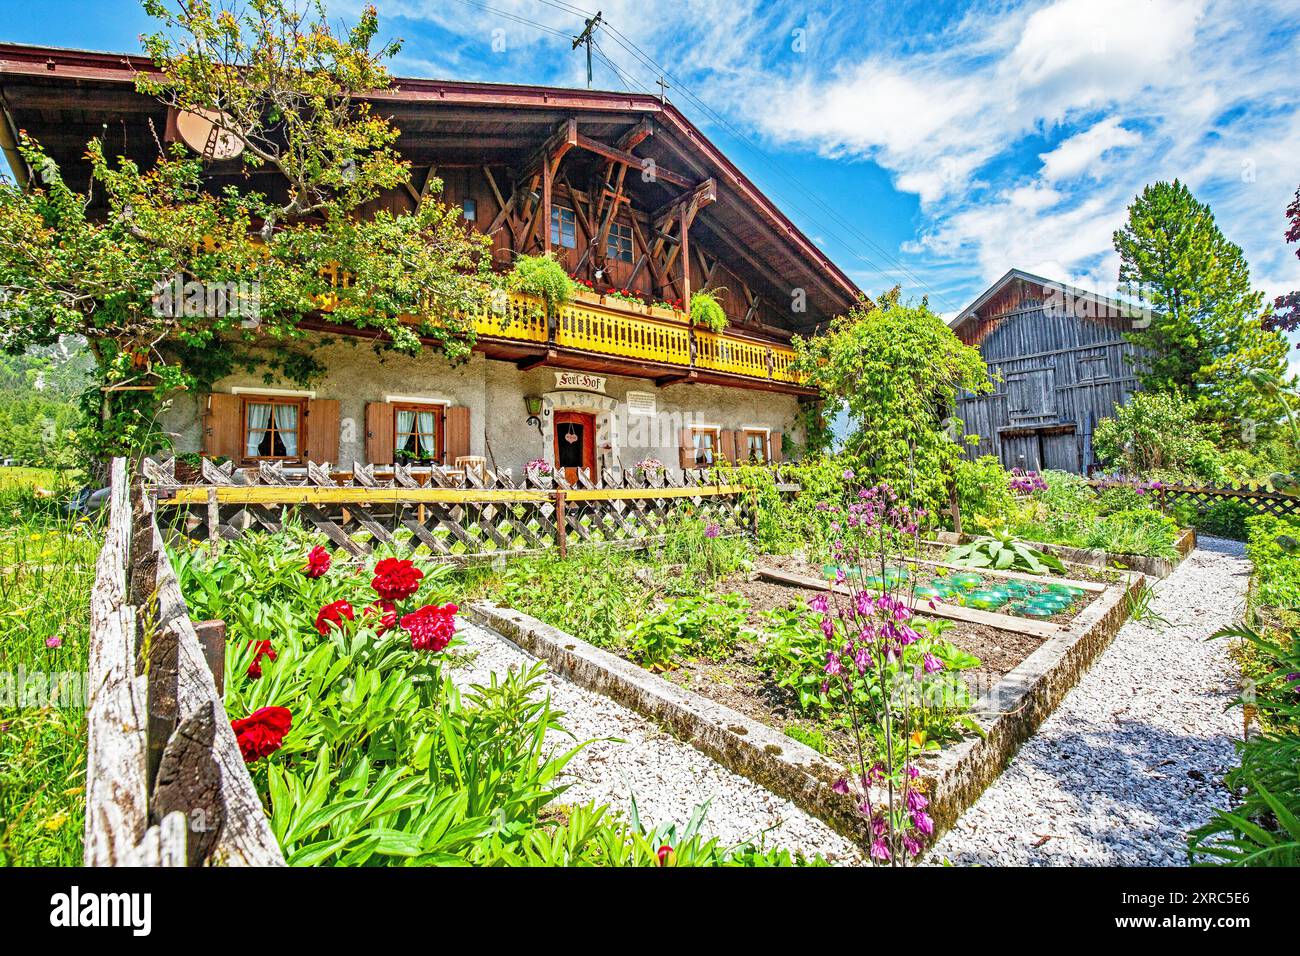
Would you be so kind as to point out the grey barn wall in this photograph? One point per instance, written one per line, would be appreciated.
(1057, 370)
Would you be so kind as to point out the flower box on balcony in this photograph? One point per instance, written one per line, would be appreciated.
(667, 315)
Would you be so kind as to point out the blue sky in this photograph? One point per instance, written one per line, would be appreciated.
(932, 145)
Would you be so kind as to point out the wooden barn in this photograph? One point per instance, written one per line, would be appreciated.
(1060, 364)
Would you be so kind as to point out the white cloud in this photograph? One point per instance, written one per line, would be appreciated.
(1082, 152)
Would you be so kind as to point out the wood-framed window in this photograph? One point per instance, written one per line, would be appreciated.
(705, 439)
(564, 227)
(418, 432)
(273, 428)
(756, 447)
(619, 244)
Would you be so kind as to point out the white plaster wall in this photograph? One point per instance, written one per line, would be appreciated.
(494, 392)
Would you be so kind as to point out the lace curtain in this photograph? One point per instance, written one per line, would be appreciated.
(259, 417)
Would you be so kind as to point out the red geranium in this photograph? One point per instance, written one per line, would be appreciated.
(387, 612)
(261, 733)
(260, 649)
(318, 562)
(396, 579)
(333, 614)
(431, 627)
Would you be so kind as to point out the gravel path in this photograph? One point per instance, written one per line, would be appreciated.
(668, 778)
(1135, 755)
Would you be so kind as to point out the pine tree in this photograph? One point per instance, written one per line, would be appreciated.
(1204, 336)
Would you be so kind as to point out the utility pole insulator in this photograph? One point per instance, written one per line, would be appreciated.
(585, 37)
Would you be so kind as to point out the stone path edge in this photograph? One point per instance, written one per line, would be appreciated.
(1009, 713)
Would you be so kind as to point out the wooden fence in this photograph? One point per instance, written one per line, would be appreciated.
(459, 515)
(165, 782)
(1260, 500)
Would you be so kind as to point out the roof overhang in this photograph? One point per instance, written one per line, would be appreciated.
(973, 321)
(62, 95)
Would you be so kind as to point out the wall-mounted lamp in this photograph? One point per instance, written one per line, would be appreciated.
(533, 405)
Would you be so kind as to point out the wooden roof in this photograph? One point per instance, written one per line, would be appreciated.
(1017, 290)
(64, 97)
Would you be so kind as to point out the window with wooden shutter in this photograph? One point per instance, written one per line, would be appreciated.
(322, 430)
(456, 432)
(222, 419)
(379, 433)
(686, 450)
(728, 446)
(752, 445)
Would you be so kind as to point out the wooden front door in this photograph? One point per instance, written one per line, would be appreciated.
(575, 444)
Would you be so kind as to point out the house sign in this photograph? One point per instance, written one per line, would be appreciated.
(580, 380)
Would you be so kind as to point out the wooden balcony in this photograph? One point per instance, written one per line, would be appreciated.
(631, 339)
(612, 336)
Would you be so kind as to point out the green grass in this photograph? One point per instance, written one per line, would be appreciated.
(46, 571)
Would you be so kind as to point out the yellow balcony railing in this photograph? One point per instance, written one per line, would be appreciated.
(623, 330)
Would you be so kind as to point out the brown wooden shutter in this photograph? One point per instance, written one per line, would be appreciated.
(774, 446)
(729, 441)
(456, 433)
(322, 431)
(223, 421)
(379, 433)
(686, 451)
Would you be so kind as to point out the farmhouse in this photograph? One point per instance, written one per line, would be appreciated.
(1059, 364)
(627, 194)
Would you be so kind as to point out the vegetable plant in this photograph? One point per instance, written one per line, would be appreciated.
(1004, 553)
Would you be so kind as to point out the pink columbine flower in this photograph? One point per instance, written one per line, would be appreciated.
(932, 664)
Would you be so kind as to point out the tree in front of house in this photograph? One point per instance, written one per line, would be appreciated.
(285, 94)
(896, 369)
(1204, 339)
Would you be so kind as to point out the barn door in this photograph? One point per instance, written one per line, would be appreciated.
(1021, 451)
(1061, 452)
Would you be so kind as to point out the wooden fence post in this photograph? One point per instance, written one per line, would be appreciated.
(212, 638)
(561, 526)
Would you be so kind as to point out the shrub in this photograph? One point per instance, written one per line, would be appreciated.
(894, 368)
(1276, 582)
(1157, 432)
(544, 277)
(1134, 531)
(1225, 519)
(984, 495)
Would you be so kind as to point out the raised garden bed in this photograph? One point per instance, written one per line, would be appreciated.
(730, 710)
(1156, 567)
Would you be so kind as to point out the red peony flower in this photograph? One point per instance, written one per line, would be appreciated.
(431, 627)
(387, 612)
(318, 562)
(333, 614)
(260, 649)
(261, 733)
(396, 579)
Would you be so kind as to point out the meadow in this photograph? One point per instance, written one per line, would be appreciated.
(47, 566)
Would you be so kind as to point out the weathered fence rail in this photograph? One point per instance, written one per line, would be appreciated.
(165, 782)
(1260, 500)
(459, 516)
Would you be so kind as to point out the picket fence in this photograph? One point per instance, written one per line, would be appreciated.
(460, 515)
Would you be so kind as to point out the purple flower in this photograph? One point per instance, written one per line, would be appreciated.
(916, 800)
(833, 666)
(712, 530)
(54, 641)
(818, 604)
(879, 849)
(840, 786)
(921, 820)
(848, 474)
(932, 664)
(911, 844)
